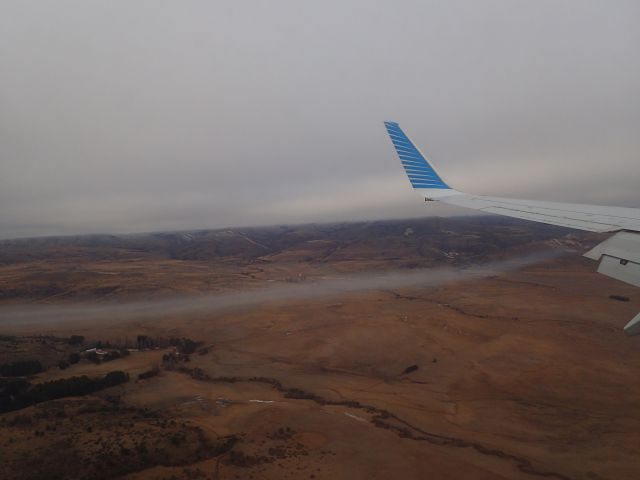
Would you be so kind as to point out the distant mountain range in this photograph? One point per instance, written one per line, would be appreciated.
(431, 237)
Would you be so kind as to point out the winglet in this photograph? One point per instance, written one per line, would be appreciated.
(422, 175)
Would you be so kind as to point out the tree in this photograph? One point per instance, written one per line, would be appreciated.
(76, 339)
(144, 342)
(74, 358)
(92, 357)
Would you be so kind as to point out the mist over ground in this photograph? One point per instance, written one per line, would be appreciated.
(335, 286)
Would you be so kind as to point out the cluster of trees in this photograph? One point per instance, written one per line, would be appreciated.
(72, 359)
(17, 394)
(75, 340)
(183, 345)
(149, 373)
(21, 368)
(145, 342)
(115, 354)
(112, 355)
(171, 360)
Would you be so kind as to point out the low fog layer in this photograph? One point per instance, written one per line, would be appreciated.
(210, 304)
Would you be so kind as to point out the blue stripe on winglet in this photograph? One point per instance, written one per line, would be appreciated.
(416, 166)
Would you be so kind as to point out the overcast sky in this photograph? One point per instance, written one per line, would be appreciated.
(139, 115)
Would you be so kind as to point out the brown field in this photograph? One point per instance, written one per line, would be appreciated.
(521, 374)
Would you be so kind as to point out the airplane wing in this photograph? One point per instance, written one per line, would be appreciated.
(619, 255)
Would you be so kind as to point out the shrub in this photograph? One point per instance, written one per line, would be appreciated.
(620, 298)
(411, 368)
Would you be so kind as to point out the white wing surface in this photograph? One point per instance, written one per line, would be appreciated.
(619, 256)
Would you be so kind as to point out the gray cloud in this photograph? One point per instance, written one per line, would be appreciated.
(150, 115)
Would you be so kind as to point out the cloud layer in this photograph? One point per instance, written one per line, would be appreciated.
(152, 115)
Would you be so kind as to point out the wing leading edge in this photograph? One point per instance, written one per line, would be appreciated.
(619, 256)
